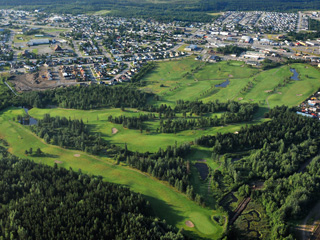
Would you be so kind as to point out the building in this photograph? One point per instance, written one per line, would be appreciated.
(191, 47)
(38, 42)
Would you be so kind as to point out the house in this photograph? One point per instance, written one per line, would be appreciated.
(57, 48)
(214, 59)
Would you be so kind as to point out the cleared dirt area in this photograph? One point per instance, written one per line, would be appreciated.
(45, 78)
(77, 155)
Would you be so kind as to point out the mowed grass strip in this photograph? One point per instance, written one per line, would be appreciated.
(170, 82)
(167, 203)
(136, 141)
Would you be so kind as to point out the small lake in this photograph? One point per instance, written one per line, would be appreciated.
(32, 121)
(295, 76)
(224, 84)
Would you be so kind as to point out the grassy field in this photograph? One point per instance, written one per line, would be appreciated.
(136, 141)
(166, 201)
(171, 82)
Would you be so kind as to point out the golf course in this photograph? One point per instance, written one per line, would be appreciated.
(185, 79)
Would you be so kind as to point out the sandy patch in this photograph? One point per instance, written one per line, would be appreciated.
(279, 92)
(299, 95)
(114, 130)
(77, 155)
(58, 162)
(268, 91)
(240, 98)
(230, 75)
(189, 224)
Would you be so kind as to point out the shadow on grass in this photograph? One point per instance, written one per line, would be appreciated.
(173, 217)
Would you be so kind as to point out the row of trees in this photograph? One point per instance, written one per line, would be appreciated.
(42, 202)
(81, 97)
(68, 133)
(174, 125)
(131, 122)
(167, 165)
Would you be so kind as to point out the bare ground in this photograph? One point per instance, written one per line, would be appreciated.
(114, 130)
(189, 224)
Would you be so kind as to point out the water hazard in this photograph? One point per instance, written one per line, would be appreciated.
(29, 120)
(295, 76)
(224, 84)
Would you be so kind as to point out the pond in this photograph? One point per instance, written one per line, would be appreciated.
(224, 84)
(29, 120)
(295, 76)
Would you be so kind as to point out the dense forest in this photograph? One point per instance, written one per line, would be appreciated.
(191, 11)
(82, 97)
(168, 164)
(42, 202)
(281, 153)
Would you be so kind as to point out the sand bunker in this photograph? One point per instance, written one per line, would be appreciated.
(299, 95)
(230, 75)
(240, 98)
(268, 91)
(279, 92)
(114, 130)
(189, 224)
(77, 155)
(58, 162)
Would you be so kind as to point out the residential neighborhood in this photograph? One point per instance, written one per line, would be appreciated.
(109, 50)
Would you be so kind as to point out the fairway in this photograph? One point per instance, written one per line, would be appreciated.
(136, 141)
(171, 81)
(166, 201)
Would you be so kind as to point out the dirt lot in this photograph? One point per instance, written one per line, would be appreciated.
(40, 80)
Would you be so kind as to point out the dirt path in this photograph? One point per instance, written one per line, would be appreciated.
(242, 206)
(304, 229)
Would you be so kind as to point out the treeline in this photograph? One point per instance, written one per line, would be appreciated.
(199, 107)
(277, 153)
(131, 122)
(192, 11)
(87, 97)
(245, 113)
(68, 133)
(7, 98)
(167, 165)
(304, 36)
(143, 71)
(285, 124)
(42, 202)
(232, 49)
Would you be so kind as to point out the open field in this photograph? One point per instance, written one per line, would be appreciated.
(171, 82)
(168, 203)
(136, 141)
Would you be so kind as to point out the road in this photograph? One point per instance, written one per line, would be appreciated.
(10, 88)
